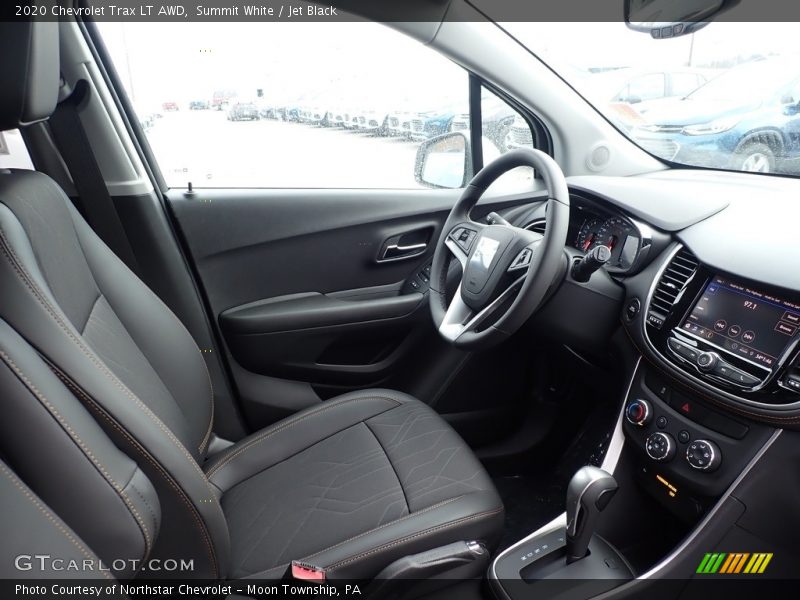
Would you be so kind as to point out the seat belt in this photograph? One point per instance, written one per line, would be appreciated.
(93, 201)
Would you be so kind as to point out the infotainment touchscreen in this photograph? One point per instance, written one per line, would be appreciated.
(746, 322)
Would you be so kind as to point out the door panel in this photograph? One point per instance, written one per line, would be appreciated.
(304, 302)
(324, 338)
(252, 245)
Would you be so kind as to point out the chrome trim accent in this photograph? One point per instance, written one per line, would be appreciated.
(609, 466)
(646, 233)
(702, 382)
(533, 223)
(666, 437)
(645, 243)
(414, 250)
(710, 460)
(697, 338)
(453, 325)
(646, 417)
(714, 510)
(460, 255)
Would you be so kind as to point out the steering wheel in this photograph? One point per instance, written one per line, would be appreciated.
(506, 270)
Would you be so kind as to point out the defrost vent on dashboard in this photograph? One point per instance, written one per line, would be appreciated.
(671, 284)
(539, 226)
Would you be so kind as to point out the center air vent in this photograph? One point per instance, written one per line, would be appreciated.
(670, 286)
(538, 226)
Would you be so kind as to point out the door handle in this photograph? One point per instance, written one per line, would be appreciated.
(399, 251)
(405, 245)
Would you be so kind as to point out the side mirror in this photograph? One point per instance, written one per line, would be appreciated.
(664, 19)
(444, 161)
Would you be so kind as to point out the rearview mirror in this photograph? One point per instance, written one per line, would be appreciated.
(664, 19)
(444, 161)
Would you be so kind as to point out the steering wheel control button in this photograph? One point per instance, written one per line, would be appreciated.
(707, 361)
(661, 422)
(683, 436)
(639, 412)
(660, 446)
(703, 455)
(463, 236)
(522, 261)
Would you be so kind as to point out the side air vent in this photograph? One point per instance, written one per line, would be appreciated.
(538, 226)
(670, 286)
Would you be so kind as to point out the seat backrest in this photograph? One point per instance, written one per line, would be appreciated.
(118, 348)
(52, 441)
(111, 341)
(33, 534)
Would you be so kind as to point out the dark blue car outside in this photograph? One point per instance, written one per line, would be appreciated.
(746, 119)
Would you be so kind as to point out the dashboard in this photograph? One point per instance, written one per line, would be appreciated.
(702, 277)
(594, 223)
(700, 306)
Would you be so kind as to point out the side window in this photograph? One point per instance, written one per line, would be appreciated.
(13, 151)
(646, 87)
(505, 129)
(685, 83)
(299, 105)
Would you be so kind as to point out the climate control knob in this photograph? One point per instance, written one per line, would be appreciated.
(639, 412)
(703, 455)
(660, 446)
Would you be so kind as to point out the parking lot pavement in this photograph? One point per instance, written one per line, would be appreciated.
(205, 148)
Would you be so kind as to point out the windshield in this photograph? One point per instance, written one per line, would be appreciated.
(751, 81)
(724, 97)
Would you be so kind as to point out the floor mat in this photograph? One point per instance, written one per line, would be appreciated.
(531, 500)
(529, 503)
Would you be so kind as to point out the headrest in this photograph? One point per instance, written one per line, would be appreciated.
(29, 72)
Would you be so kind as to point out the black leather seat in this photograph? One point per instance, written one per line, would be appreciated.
(349, 485)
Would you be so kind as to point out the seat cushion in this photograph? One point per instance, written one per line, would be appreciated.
(350, 486)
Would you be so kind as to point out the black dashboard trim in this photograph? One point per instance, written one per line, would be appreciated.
(776, 414)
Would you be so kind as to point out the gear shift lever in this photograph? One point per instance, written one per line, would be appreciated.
(588, 494)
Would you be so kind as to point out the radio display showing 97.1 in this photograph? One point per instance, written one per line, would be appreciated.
(746, 322)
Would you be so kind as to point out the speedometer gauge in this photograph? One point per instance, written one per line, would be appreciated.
(613, 232)
(588, 234)
(617, 234)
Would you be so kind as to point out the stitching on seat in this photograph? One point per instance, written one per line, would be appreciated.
(391, 464)
(424, 533)
(82, 330)
(57, 523)
(207, 436)
(180, 323)
(154, 463)
(88, 453)
(22, 273)
(385, 525)
(291, 423)
(132, 485)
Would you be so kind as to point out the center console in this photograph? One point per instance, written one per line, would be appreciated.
(671, 465)
(736, 336)
(719, 368)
